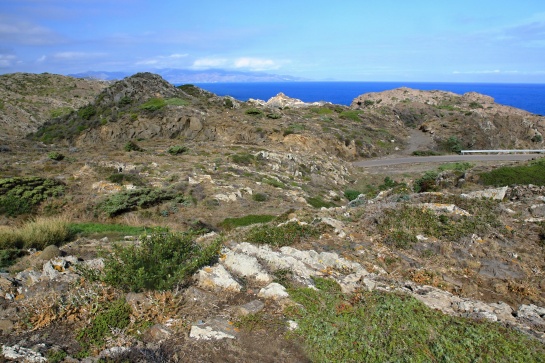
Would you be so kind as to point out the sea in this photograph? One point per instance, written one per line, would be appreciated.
(529, 97)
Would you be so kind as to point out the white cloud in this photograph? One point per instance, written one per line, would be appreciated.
(161, 61)
(205, 63)
(7, 60)
(27, 33)
(256, 64)
(246, 63)
(76, 55)
(493, 71)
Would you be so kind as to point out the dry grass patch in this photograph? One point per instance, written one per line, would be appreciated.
(37, 233)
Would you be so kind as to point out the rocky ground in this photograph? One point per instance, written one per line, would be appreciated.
(466, 250)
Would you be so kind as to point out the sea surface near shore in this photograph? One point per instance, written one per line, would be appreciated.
(529, 97)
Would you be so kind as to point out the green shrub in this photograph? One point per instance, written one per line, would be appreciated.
(228, 103)
(260, 197)
(475, 105)
(425, 153)
(230, 223)
(386, 327)
(120, 178)
(533, 173)
(177, 102)
(253, 112)
(116, 315)
(125, 100)
(283, 235)
(459, 166)
(60, 111)
(368, 103)
(177, 149)
(318, 202)
(20, 195)
(132, 146)
(87, 112)
(129, 200)
(10, 255)
(273, 182)
(56, 355)
(274, 116)
(351, 115)
(55, 155)
(400, 239)
(453, 144)
(153, 104)
(351, 194)
(162, 261)
(243, 159)
(427, 183)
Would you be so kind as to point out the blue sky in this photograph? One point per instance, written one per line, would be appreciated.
(387, 40)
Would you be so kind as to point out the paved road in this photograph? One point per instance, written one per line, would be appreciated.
(443, 159)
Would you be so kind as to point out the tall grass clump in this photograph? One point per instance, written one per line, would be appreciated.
(37, 233)
(161, 261)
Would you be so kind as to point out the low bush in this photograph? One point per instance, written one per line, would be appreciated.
(427, 183)
(243, 159)
(87, 112)
(282, 235)
(129, 200)
(21, 195)
(253, 112)
(425, 153)
(9, 256)
(230, 223)
(318, 202)
(351, 194)
(132, 146)
(533, 173)
(260, 197)
(274, 116)
(161, 261)
(121, 178)
(177, 149)
(55, 155)
(116, 315)
(153, 104)
(273, 182)
(386, 327)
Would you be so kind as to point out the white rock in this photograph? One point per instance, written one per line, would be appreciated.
(273, 291)
(217, 278)
(20, 353)
(247, 266)
(207, 333)
(493, 193)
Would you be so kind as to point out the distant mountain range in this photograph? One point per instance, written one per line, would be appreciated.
(180, 76)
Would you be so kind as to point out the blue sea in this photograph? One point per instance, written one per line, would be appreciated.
(529, 97)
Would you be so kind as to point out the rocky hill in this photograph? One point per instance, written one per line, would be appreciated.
(156, 223)
(28, 100)
(475, 119)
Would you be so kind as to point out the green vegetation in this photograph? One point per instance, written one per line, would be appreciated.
(452, 144)
(318, 202)
(401, 225)
(475, 105)
(176, 102)
(243, 159)
(87, 112)
(56, 355)
(274, 116)
(120, 178)
(425, 153)
(161, 261)
(353, 115)
(59, 112)
(21, 195)
(533, 173)
(55, 155)
(132, 146)
(99, 230)
(116, 315)
(295, 128)
(253, 112)
(153, 104)
(385, 327)
(321, 110)
(231, 223)
(351, 194)
(427, 183)
(282, 235)
(273, 182)
(129, 200)
(36, 233)
(9, 256)
(458, 166)
(177, 149)
(260, 197)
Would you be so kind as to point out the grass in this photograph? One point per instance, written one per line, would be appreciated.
(98, 230)
(231, 223)
(283, 235)
(161, 261)
(351, 115)
(37, 233)
(533, 173)
(318, 202)
(129, 200)
(380, 327)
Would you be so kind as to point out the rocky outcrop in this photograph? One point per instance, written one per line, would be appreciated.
(282, 101)
(475, 119)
